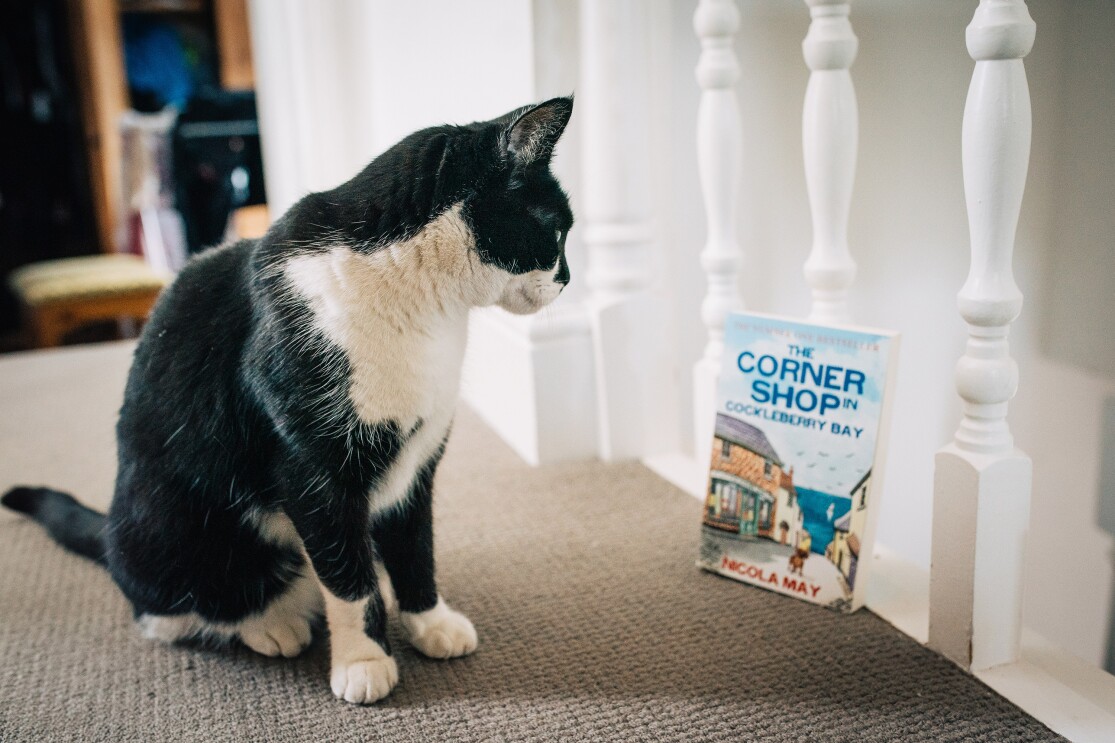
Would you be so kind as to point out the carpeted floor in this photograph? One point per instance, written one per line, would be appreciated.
(594, 626)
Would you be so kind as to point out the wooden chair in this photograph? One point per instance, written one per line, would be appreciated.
(60, 296)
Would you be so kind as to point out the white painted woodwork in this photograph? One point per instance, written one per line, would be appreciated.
(830, 134)
(719, 158)
(532, 379)
(613, 102)
(982, 483)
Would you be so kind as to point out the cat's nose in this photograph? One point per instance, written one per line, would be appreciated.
(562, 275)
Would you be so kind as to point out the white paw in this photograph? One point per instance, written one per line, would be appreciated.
(440, 632)
(364, 681)
(274, 636)
(170, 628)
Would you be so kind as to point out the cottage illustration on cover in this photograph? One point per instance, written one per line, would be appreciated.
(794, 447)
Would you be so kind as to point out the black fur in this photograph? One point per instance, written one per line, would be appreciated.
(72, 525)
(224, 407)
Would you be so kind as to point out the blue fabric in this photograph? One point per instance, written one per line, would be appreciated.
(155, 60)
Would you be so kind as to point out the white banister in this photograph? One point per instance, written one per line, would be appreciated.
(982, 483)
(719, 154)
(830, 133)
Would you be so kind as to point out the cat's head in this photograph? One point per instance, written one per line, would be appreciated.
(519, 214)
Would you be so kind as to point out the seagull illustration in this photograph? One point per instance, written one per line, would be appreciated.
(823, 454)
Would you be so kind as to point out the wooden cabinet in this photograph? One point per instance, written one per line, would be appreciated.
(95, 29)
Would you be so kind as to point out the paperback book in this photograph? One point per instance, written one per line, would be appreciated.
(797, 457)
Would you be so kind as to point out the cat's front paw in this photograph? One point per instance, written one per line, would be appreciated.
(440, 632)
(364, 681)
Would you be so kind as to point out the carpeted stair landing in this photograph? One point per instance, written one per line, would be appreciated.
(594, 626)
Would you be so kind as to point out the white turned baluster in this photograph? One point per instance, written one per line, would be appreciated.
(719, 151)
(982, 483)
(830, 133)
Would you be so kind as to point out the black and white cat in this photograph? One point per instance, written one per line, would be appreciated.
(291, 396)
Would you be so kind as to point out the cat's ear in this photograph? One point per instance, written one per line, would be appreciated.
(530, 136)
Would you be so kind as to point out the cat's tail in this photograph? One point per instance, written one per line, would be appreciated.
(72, 525)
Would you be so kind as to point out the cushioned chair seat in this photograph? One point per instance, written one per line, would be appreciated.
(60, 296)
(84, 277)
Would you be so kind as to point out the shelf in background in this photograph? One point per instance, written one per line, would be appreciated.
(162, 6)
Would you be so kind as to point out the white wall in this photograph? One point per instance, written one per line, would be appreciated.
(339, 81)
(1065, 409)
(908, 234)
(471, 61)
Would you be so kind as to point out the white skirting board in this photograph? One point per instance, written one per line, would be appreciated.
(532, 380)
(1071, 697)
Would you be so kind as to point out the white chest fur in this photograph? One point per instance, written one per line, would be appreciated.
(400, 314)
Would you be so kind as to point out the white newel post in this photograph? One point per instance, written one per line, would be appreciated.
(719, 157)
(614, 101)
(982, 483)
(830, 134)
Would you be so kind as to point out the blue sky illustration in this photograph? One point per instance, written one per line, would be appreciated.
(821, 461)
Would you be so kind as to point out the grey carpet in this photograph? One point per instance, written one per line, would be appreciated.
(594, 624)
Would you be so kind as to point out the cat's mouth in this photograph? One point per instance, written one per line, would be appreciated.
(530, 292)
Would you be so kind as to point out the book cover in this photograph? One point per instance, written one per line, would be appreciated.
(797, 456)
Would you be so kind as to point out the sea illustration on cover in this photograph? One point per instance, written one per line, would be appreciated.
(797, 422)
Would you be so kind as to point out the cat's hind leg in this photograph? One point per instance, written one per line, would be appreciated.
(284, 626)
(170, 628)
(280, 627)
